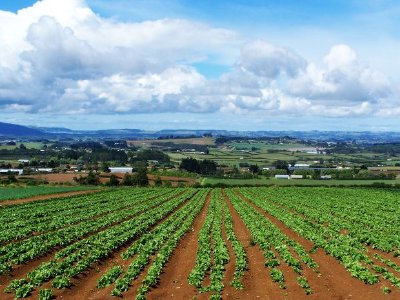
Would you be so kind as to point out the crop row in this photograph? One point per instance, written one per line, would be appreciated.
(99, 205)
(347, 249)
(78, 257)
(29, 249)
(275, 244)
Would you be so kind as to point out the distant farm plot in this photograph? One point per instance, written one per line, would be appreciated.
(11, 193)
(186, 243)
(294, 182)
(206, 141)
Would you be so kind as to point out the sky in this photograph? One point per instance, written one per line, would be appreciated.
(179, 64)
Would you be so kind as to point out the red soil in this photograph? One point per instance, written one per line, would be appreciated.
(173, 282)
(335, 282)
(257, 281)
(46, 197)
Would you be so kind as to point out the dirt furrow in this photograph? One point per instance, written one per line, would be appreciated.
(334, 277)
(257, 281)
(173, 282)
(230, 266)
(47, 197)
(85, 285)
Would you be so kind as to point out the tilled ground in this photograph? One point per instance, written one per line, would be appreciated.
(332, 281)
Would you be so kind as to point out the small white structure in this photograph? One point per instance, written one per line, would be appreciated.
(5, 171)
(301, 166)
(296, 177)
(326, 177)
(23, 161)
(282, 177)
(44, 170)
(121, 170)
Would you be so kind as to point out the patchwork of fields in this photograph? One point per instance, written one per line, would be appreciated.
(186, 243)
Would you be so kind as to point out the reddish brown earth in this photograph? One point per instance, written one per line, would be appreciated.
(69, 177)
(334, 279)
(46, 197)
(257, 281)
(57, 177)
(173, 282)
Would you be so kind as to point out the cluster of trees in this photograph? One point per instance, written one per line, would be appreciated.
(91, 179)
(150, 154)
(138, 179)
(203, 167)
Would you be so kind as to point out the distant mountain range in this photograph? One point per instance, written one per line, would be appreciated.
(8, 130)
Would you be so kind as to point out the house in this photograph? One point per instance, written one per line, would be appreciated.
(282, 177)
(121, 169)
(6, 171)
(24, 161)
(44, 170)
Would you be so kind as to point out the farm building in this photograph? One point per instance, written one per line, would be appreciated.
(120, 170)
(23, 161)
(44, 170)
(6, 171)
(282, 177)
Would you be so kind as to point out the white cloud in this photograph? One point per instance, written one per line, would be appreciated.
(344, 80)
(59, 56)
(266, 60)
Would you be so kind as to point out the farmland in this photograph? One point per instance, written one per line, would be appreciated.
(184, 243)
(10, 193)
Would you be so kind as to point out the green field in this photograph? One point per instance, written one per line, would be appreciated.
(28, 145)
(127, 242)
(292, 182)
(10, 193)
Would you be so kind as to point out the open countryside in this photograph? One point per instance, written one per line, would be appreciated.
(184, 243)
(193, 150)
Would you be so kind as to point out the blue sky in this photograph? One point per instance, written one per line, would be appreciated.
(153, 64)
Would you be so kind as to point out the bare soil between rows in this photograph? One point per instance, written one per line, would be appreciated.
(333, 282)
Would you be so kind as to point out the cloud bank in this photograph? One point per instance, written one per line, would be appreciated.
(60, 57)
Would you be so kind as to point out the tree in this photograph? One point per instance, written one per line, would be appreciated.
(114, 181)
(11, 177)
(141, 177)
(281, 164)
(158, 181)
(91, 179)
(128, 180)
(254, 169)
(317, 174)
(105, 167)
(190, 164)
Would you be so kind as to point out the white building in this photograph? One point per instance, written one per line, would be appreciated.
(296, 177)
(44, 170)
(23, 161)
(121, 169)
(282, 177)
(5, 171)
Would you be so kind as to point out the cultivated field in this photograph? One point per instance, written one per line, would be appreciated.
(236, 243)
(10, 193)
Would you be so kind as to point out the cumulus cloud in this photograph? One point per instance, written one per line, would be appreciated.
(342, 79)
(59, 56)
(266, 60)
